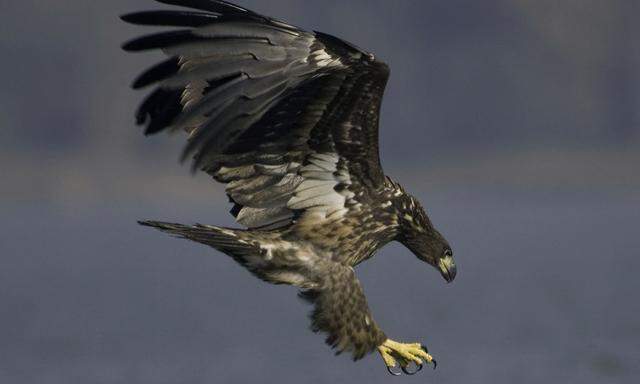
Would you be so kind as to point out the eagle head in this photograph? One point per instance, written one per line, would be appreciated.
(419, 235)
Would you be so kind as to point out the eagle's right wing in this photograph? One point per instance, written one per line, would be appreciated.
(288, 119)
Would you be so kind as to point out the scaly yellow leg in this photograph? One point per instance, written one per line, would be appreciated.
(394, 353)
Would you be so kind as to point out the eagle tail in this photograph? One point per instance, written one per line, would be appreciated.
(226, 240)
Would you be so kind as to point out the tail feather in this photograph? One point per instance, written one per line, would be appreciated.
(223, 239)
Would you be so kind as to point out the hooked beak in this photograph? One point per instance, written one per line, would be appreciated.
(447, 268)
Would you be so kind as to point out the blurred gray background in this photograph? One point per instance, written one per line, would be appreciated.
(516, 122)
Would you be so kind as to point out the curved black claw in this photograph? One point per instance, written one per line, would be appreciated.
(392, 372)
(435, 363)
(410, 373)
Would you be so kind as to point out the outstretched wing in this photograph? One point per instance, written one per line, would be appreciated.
(288, 119)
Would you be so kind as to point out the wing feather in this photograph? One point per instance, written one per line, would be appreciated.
(287, 118)
(170, 18)
(216, 6)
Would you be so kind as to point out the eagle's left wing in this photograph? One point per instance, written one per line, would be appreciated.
(288, 119)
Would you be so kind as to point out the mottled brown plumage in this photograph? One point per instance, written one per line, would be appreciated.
(288, 120)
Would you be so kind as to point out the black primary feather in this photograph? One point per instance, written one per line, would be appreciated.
(161, 107)
(157, 73)
(161, 40)
(170, 18)
(216, 6)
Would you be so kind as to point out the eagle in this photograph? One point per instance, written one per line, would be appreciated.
(288, 120)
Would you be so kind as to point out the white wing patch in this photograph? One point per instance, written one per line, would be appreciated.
(270, 194)
(322, 59)
(317, 193)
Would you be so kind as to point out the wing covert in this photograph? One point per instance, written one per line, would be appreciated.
(287, 119)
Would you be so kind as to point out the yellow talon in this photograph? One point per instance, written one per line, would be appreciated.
(385, 352)
(393, 352)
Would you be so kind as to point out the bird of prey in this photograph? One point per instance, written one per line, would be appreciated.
(288, 120)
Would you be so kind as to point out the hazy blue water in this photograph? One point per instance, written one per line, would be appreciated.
(546, 292)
